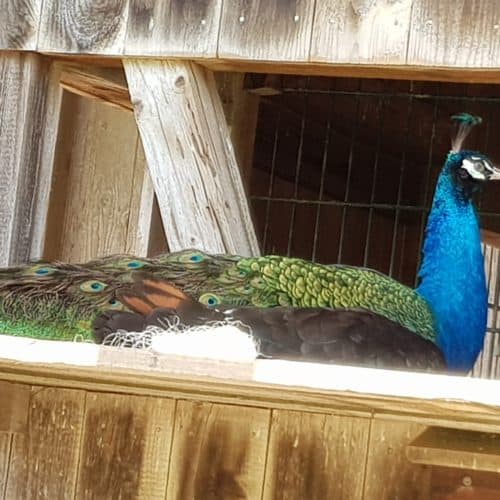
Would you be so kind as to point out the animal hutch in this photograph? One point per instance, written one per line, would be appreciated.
(140, 126)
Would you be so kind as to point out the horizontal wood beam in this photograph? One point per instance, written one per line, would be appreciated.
(462, 449)
(106, 85)
(438, 400)
(391, 72)
(420, 33)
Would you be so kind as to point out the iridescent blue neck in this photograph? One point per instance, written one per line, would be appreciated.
(452, 274)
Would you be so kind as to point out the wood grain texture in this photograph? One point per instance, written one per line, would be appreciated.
(44, 461)
(312, 456)
(14, 408)
(459, 484)
(47, 146)
(458, 402)
(190, 157)
(463, 33)
(106, 85)
(83, 26)
(241, 109)
(94, 182)
(22, 108)
(5, 445)
(173, 28)
(125, 447)
(218, 452)
(269, 30)
(361, 31)
(19, 24)
(456, 448)
(389, 475)
(141, 229)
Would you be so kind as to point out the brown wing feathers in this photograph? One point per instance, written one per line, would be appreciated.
(350, 336)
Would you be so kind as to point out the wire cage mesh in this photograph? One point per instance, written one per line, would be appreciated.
(344, 171)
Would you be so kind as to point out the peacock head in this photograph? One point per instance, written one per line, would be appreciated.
(470, 171)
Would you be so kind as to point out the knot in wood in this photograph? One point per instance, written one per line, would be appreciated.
(180, 83)
(137, 104)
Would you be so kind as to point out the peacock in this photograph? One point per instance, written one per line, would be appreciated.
(331, 313)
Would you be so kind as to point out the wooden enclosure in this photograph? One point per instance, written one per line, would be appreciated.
(123, 424)
(140, 127)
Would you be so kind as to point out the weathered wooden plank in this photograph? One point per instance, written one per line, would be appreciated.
(311, 456)
(463, 33)
(459, 484)
(22, 118)
(14, 408)
(141, 227)
(125, 447)
(241, 109)
(83, 26)
(94, 183)
(361, 31)
(5, 445)
(190, 157)
(105, 85)
(173, 28)
(47, 146)
(456, 448)
(19, 24)
(447, 401)
(388, 473)
(269, 30)
(218, 451)
(44, 461)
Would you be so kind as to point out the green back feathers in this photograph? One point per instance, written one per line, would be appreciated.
(281, 281)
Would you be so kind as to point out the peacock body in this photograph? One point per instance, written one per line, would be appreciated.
(448, 309)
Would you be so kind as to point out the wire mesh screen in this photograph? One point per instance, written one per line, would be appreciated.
(344, 170)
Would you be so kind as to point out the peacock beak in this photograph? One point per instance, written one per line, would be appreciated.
(495, 173)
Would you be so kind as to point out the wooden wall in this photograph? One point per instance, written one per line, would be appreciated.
(97, 205)
(416, 33)
(73, 443)
(134, 424)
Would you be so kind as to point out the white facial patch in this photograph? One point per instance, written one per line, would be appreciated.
(472, 168)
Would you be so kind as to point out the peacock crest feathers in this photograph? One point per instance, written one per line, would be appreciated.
(464, 123)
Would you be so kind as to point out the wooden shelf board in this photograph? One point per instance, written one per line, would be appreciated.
(456, 448)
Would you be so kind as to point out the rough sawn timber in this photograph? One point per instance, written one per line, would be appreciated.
(190, 157)
(27, 140)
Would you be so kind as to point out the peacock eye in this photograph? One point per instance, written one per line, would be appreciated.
(39, 271)
(93, 286)
(209, 300)
(191, 257)
(135, 264)
(115, 304)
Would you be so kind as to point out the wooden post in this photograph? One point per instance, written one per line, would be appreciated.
(24, 146)
(241, 109)
(190, 157)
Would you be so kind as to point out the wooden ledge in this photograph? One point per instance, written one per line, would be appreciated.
(450, 401)
(456, 448)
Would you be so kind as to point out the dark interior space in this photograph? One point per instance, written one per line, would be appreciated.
(344, 169)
